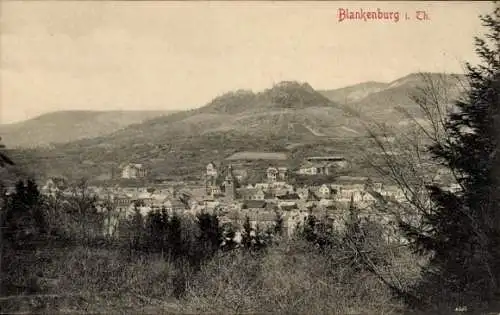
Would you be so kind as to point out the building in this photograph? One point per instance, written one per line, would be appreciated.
(283, 173)
(54, 185)
(277, 173)
(132, 170)
(322, 165)
(262, 195)
(230, 184)
(272, 174)
(315, 168)
(335, 161)
(211, 174)
(254, 156)
(173, 205)
(324, 191)
(211, 170)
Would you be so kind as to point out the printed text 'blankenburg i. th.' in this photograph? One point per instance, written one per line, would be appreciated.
(378, 14)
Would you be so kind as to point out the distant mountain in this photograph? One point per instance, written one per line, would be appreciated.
(354, 92)
(389, 102)
(66, 126)
(284, 95)
(392, 104)
(287, 110)
(287, 115)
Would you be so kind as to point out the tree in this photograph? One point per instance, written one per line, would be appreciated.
(156, 227)
(247, 234)
(86, 222)
(24, 214)
(210, 238)
(279, 224)
(137, 225)
(462, 228)
(174, 237)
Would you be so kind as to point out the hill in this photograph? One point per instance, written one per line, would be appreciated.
(389, 102)
(284, 95)
(66, 126)
(288, 110)
(355, 92)
(180, 143)
(290, 116)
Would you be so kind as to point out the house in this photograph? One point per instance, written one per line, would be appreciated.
(282, 173)
(121, 202)
(254, 204)
(324, 191)
(263, 186)
(378, 187)
(134, 171)
(288, 205)
(246, 193)
(394, 192)
(272, 174)
(314, 168)
(262, 219)
(54, 185)
(211, 170)
(261, 195)
(308, 169)
(214, 191)
(289, 196)
(143, 198)
(212, 174)
(174, 206)
(281, 191)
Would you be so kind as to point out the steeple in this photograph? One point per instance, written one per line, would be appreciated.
(230, 174)
(229, 183)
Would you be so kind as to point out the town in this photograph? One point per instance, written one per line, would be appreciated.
(236, 189)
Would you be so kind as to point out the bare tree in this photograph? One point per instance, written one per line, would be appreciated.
(82, 208)
(401, 154)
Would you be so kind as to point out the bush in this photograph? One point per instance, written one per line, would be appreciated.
(283, 280)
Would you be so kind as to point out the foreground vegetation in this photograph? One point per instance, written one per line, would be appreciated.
(181, 264)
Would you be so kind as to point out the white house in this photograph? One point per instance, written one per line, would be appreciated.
(134, 171)
(211, 170)
(324, 191)
(272, 173)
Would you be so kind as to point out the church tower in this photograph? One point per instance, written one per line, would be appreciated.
(229, 184)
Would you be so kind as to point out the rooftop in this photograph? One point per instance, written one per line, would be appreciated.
(326, 158)
(247, 155)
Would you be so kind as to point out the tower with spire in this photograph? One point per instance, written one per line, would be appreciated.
(230, 184)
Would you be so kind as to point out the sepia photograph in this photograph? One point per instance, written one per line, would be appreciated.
(250, 157)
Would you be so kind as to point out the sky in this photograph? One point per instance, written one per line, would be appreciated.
(178, 55)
